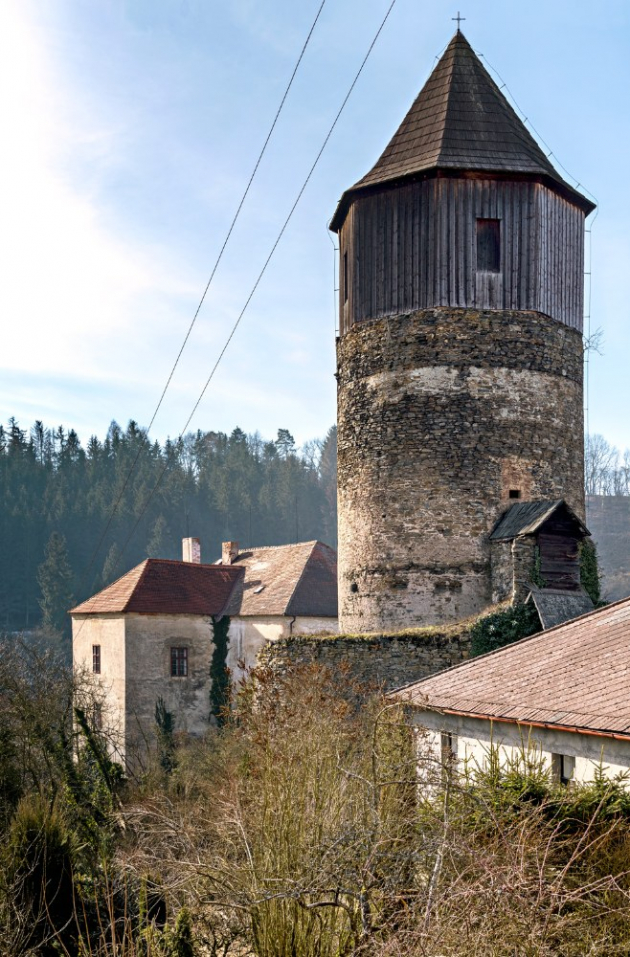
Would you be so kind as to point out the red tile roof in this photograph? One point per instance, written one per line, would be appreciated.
(298, 580)
(576, 675)
(160, 587)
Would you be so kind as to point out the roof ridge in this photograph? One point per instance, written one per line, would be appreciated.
(181, 561)
(260, 548)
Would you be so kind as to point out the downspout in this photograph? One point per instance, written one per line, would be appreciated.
(291, 624)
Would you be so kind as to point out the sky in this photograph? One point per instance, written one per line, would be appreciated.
(129, 131)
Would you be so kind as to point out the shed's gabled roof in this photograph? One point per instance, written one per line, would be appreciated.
(525, 518)
(574, 676)
(461, 121)
(298, 580)
(161, 587)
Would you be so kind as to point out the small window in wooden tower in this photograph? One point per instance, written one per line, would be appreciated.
(488, 245)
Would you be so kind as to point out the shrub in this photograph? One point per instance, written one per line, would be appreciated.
(503, 627)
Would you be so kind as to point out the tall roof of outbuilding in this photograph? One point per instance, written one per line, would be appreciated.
(460, 120)
(573, 676)
(161, 587)
(298, 580)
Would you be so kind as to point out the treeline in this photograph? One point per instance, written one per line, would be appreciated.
(93, 512)
(606, 471)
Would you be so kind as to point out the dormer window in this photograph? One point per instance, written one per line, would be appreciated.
(488, 245)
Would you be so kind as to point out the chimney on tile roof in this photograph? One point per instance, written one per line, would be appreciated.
(229, 552)
(191, 550)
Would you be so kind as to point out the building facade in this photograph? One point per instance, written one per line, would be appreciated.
(149, 638)
(558, 699)
(459, 359)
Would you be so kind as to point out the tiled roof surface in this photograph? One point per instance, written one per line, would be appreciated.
(289, 580)
(557, 605)
(160, 587)
(461, 121)
(576, 675)
(525, 518)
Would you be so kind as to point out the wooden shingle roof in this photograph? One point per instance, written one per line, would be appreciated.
(460, 121)
(298, 580)
(575, 676)
(526, 518)
(161, 587)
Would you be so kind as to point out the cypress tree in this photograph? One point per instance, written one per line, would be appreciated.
(54, 576)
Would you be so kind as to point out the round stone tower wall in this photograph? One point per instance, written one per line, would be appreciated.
(445, 417)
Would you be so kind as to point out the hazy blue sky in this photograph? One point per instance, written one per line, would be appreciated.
(129, 130)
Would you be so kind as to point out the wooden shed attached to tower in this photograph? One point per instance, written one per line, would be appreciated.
(535, 555)
(459, 360)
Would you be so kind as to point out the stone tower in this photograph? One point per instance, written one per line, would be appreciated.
(459, 360)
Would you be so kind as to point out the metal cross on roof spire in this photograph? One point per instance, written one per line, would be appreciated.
(459, 20)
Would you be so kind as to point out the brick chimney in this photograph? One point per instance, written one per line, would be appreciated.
(229, 552)
(191, 550)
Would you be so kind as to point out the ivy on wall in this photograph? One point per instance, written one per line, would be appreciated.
(219, 672)
(503, 627)
(589, 572)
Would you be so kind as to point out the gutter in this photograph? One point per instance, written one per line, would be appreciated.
(548, 725)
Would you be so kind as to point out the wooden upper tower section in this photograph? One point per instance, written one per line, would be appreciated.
(462, 209)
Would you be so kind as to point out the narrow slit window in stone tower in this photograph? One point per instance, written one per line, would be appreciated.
(488, 245)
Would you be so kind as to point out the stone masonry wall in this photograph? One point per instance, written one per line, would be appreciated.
(379, 661)
(438, 412)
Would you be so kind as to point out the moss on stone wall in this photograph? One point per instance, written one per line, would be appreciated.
(375, 660)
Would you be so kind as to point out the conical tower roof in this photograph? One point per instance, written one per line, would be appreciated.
(460, 121)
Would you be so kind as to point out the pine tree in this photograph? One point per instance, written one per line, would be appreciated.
(54, 576)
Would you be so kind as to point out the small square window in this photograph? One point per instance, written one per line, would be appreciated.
(488, 245)
(567, 768)
(448, 748)
(563, 767)
(179, 662)
(96, 659)
(514, 493)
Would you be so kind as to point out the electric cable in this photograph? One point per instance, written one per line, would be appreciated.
(261, 273)
(205, 292)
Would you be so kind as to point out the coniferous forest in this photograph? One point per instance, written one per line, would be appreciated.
(74, 517)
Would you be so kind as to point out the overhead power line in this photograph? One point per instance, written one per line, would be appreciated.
(205, 292)
(263, 270)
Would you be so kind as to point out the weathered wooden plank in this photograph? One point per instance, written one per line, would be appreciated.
(416, 247)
